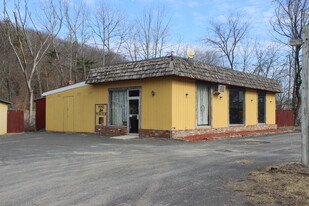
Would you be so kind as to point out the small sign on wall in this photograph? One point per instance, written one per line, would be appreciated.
(101, 114)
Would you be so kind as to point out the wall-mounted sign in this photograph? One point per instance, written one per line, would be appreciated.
(101, 114)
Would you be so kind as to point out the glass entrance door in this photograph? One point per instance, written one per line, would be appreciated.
(133, 115)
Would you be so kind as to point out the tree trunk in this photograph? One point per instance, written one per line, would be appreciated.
(39, 81)
(9, 89)
(103, 57)
(297, 82)
(85, 71)
(9, 82)
(31, 108)
(30, 91)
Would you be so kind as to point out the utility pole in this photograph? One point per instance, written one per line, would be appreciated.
(290, 69)
(304, 93)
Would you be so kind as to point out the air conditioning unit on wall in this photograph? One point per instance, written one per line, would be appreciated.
(218, 89)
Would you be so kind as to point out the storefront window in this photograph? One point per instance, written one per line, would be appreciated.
(119, 105)
(236, 97)
(202, 105)
(261, 107)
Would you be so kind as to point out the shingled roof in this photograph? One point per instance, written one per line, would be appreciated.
(177, 66)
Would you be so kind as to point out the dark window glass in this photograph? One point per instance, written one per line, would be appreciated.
(133, 106)
(261, 106)
(236, 106)
(133, 93)
(101, 120)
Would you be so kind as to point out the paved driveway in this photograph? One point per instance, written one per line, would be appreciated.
(86, 169)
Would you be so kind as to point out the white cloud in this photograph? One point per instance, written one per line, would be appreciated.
(250, 10)
(199, 18)
(193, 3)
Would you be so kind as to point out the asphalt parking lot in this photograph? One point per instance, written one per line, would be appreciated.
(89, 169)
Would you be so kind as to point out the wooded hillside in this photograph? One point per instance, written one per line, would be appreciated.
(52, 72)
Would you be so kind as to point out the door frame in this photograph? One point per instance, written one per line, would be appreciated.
(139, 108)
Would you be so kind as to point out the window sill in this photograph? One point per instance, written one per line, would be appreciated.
(203, 127)
(117, 126)
(236, 125)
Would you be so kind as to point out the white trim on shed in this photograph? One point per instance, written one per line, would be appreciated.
(62, 89)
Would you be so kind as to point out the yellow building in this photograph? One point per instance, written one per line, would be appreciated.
(3, 116)
(163, 97)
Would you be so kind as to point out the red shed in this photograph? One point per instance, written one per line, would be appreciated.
(15, 121)
(40, 113)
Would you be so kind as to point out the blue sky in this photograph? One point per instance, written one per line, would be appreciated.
(189, 18)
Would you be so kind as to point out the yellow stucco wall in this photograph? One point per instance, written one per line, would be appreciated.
(3, 118)
(220, 110)
(183, 106)
(155, 110)
(270, 108)
(251, 107)
(169, 108)
(82, 99)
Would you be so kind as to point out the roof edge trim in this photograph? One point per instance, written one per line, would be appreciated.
(5, 102)
(62, 89)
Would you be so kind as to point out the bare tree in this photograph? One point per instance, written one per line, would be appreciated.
(74, 18)
(204, 55)
(159, 31)
(269, 61)
(208, 57)
(109, 28)
(246, 55)
(52, 12)
(131, 44)
(149, 35)
(289, 19)
(84, 36)
(226, 36)
(6, 63)
(29, 42)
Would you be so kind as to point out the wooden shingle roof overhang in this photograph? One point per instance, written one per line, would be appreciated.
(177, 66)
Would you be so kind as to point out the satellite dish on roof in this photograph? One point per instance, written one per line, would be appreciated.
(190, 53)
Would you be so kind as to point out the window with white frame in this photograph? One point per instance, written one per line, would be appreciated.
(118, 107)
(202, 105)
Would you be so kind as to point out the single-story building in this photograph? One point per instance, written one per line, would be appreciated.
(3, 116)
(163, 97)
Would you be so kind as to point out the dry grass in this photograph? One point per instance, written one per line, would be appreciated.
(285, 184)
